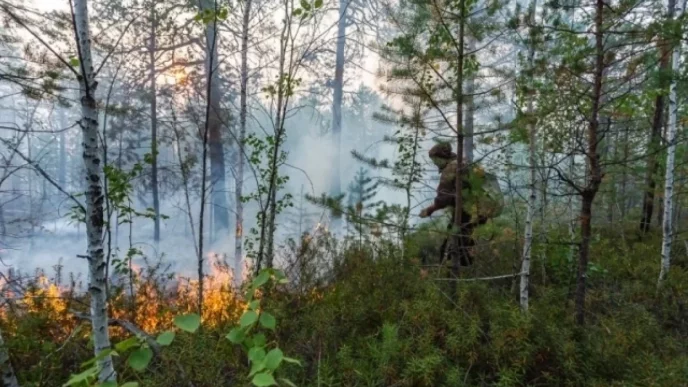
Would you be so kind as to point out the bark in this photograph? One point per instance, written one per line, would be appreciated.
(528, 242)
(216, 123)
(470, 114)
(338, 91)
(459, 221)
(94, 192)
(653, 146)
(269, 212)
(667, 230)
(152, 49)
(239, 184)
(9, 378)
(594, 168)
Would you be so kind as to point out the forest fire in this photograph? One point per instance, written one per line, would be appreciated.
(156, 299)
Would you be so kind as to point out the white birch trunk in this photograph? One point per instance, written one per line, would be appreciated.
(667, 230)
(468, 142)
(528, 242)
(239, 184)
(94, 193)
(9, 378)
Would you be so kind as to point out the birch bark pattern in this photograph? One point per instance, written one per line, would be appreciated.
(458, 208)
(667, 231)
(94, 193)
(239, 184)
(528, 242)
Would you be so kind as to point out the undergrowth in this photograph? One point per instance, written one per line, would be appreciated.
(375, 319)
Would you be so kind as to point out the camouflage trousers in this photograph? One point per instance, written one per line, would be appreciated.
(459, 246)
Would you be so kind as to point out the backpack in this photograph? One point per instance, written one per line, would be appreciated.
(485, 198)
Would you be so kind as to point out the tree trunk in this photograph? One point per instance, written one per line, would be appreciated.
(653, 147)
(468, 142)
(215, 126)
(94, 193)
(594, 169)
(338, 91)
(528, 241)
(9, 378)
(667, 230)
(459, 222)
(154, 124)
(239, 183)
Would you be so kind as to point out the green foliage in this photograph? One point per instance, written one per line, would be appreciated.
(189, 322)
(248, 334)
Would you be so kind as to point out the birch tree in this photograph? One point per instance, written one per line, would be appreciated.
(667, 230)
(94, 194)
(532, 197)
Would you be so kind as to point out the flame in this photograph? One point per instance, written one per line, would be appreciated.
(152, 306)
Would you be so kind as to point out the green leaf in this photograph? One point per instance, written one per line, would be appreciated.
(256, 367)
(81, 377)
(292, 361)
(165, 338)
(248, 318)
(189, 322)
(256, 354)
(318, 4)
(111, 383)
(267, 320)
(287, 382)
(139, 359)
(259, 340)
(263, 379)
(130, 384)
(74, 61)
(236, 335)
(262, 279)
(253, 305)
(274, 358)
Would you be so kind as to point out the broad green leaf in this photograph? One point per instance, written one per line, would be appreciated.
(130, 384)
(139, 359)
(274, 358)
(236, 335)
(256, 354)
(262, 279)
(74, 61)
(297, 12)
(248, 318)
(256, 367)
(267, 320)
(189, 322)
(259, 340)
(318, 4)
(305, 5)
(291, 360)
(263, 379)
(253, 305)
(165, 338)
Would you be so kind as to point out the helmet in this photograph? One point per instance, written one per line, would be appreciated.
(442, 151)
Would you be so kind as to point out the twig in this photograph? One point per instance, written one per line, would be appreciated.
(479, 278)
